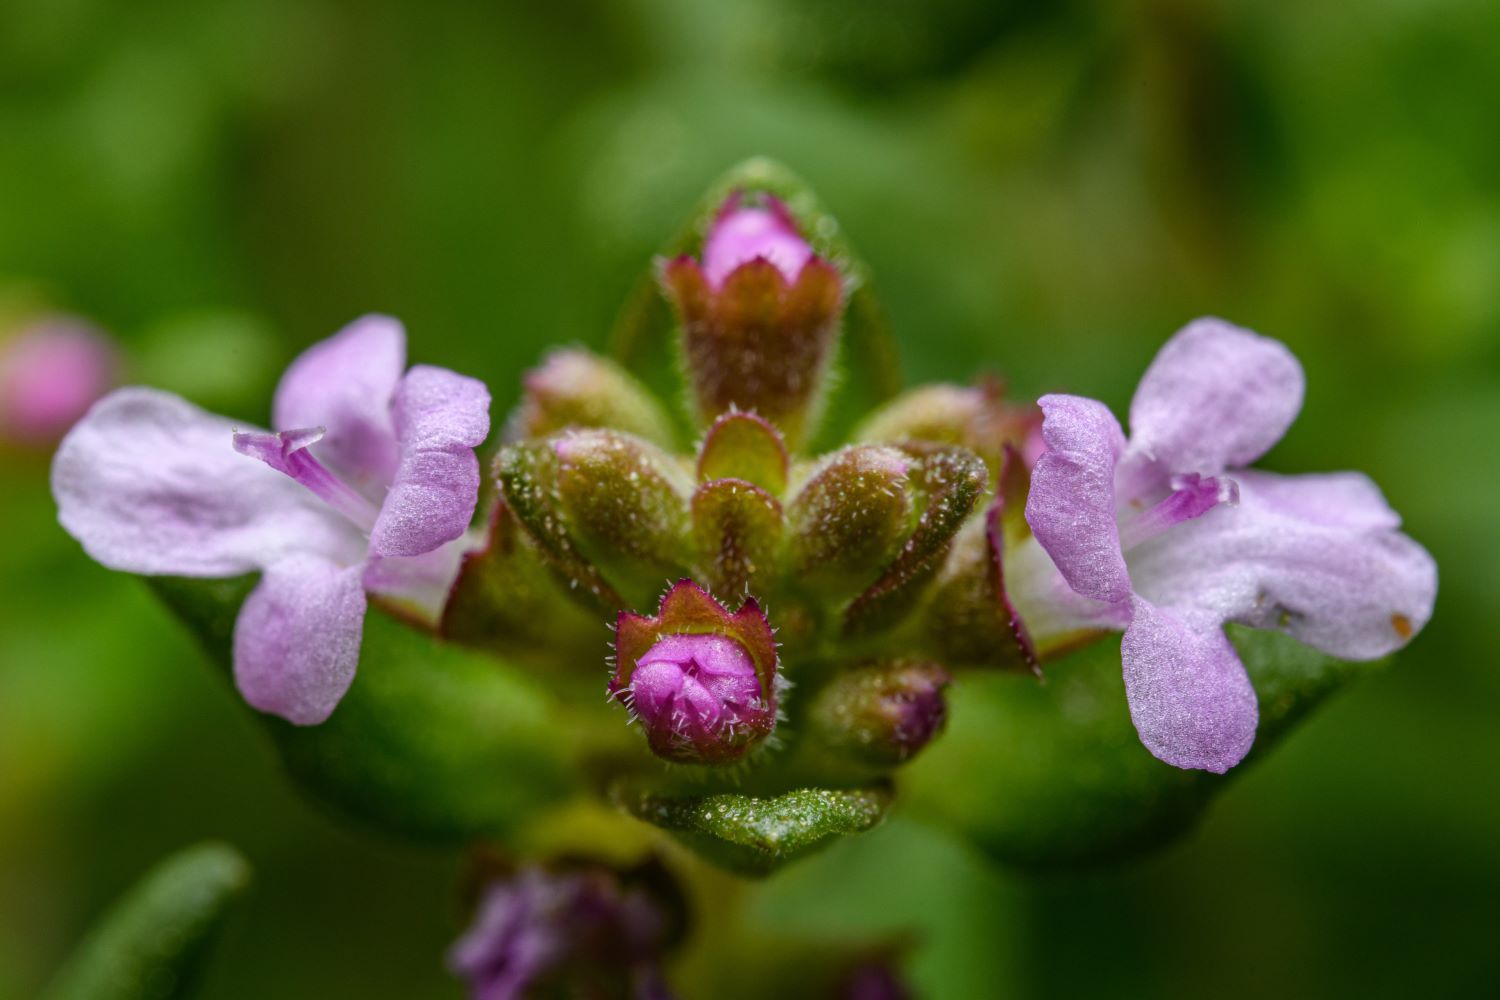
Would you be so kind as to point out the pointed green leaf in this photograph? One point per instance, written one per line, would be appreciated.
(756, 836)
(433, 741)
(1053, 774)
(152, 943)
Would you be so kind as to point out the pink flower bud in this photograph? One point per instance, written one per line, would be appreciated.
(699, 680)
(50, 374)
(740, 235)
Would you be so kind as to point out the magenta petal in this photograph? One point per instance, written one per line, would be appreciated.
(1071, 507)
(740, 235)
(149, 483)
(296, 643)
(344, 384)
(1216, 396)
(1312, 556)
(440, 418)
(1189, 696)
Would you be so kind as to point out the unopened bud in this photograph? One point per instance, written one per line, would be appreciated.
(759, 317)
(576, 389)
(974, 417)
(852, 516)
(700, 681)
(50, 374)
(881, 714)
(626, 504)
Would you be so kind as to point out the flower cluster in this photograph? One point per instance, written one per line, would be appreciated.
(837, 580)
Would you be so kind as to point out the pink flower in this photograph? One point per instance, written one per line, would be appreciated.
(1171, 535)
(50, 374)
(369, 486)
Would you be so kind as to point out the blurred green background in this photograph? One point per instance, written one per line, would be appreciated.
(1044, 189)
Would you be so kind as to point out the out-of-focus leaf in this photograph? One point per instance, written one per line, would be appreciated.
(1053, 774)
(756, 836)
(152, 943)
(433, 741)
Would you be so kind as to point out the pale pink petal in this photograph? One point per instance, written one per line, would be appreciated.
(1216, 397)
(1071, 506)
(1314, 557)
(345, 385)
(296, 643)
(1190, 699)
(441, 417)
(740, 235)
(149, 483)
(421, 583)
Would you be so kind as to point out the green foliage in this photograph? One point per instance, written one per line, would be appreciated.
(757, 836)
(433, 741)
(1052, 774)
(151, 944)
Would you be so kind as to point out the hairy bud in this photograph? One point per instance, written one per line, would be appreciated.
(881, 714)
(700, 681)
(576, 389)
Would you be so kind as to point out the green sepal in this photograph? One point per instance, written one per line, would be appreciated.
(506, 601)
(625, 502)
(153, 942)
(573, 388)
(528, 473)
(867, 361)
(432, 742)
(1054, 775)
(743, 445)
(756, 836)
(737, 529)
(949, 482)
(851, 517)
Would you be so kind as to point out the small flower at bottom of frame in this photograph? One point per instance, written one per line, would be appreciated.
(701, 682)
(369, 487)
(578, 932)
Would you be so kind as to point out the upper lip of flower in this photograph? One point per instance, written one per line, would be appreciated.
(151, 484)
(1171, 526)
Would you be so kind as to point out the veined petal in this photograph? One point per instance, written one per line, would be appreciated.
(149, 483)
(296, 642)
(345, 384)
(1216, 396)
(1071, 506)
(441, 417)
(1316, 557)
(1190, 698)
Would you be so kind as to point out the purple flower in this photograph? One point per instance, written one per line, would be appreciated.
(50, 374)
(573, 930)
(369, 486)
(1176, 537)
(702, 682)
(740, 235)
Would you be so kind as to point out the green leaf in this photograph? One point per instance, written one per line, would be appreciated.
(1053, 774)
(153, 941)
(756, 836)
(433, 741)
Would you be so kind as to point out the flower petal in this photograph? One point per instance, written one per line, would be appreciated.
(1071, 506)
(149, 483)
(1190, 699)
(296, 643)
(1215, 397)
(344, 384)
(1314, 556)
(422, 582)
(440, 418)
